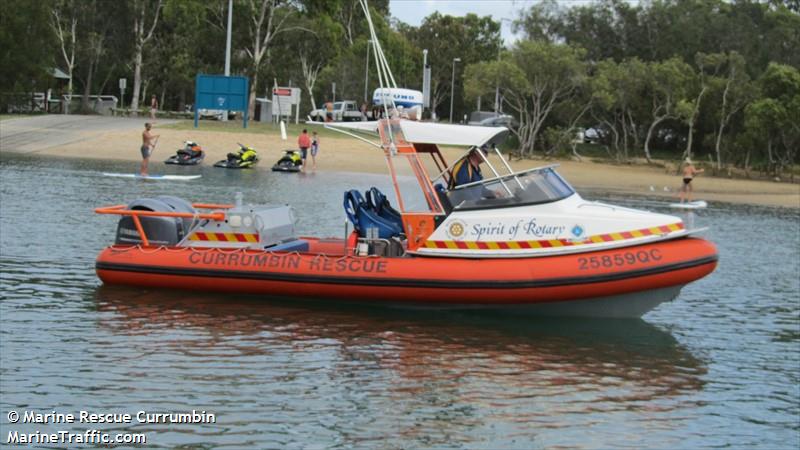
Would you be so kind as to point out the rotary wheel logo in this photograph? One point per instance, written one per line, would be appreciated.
(456, 229)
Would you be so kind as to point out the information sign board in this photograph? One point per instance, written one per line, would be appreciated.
(218, 92)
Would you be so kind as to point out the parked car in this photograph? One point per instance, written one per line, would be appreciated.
(491, 119)
(215, 114)
(592, 135)
(342, 112)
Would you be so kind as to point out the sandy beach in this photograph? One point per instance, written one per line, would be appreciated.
(117, 138)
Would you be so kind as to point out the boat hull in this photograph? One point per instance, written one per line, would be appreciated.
(624, 282)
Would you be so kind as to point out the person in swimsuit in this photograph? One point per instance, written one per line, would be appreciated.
(689, 172)
(148, 144)
(314, 150)
(153, 106)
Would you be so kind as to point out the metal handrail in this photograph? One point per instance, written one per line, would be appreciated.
(135, 213)
(515, 174)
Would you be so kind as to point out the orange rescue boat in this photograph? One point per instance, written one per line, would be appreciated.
(523, 241)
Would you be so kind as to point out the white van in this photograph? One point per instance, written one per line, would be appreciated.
(407, 101)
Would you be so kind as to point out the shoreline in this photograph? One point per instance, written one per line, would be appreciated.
(94, 137)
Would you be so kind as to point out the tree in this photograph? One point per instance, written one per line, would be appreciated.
(64, 20)
(470, 38)
(534, 78)
(190, 39)
(314, 49)
(100, 30)
(618, 90)
(667, 84)
(26, 43)
(541, 22)
(774, 119)
(141, 10)
(268, 19)
(709, 65)
(348, 14)
(736, 93)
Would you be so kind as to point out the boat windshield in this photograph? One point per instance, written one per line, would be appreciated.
(543, 185)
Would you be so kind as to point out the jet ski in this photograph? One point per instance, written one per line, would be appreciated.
(291, 161)
(191, 154)
(244, 158)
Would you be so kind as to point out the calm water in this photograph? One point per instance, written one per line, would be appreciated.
(718, 367)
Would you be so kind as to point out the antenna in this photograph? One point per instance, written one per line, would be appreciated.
(385, 76)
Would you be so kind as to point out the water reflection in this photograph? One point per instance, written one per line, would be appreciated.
(416, 345)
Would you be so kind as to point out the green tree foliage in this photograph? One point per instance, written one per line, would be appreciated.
(618, 90)
(667, 84)
(349, 70)
(27, 45)
(534, 78)
(189, 40)
(772, 122)
(470, 38)
(714, 79)
(311, 51)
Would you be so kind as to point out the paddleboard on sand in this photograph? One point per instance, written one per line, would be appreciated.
(698, 204)
(152, 177)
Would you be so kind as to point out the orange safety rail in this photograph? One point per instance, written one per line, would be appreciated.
(122, 211)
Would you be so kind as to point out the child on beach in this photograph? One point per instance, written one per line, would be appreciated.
(314, 150)
(689, 173)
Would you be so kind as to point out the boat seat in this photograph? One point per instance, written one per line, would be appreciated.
(378, 202)
(363, 217)
(297, 245)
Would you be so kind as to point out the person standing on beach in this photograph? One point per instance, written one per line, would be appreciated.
(148, 144)
(689, 173)
(153, 106)
(314, 151)
(304, 142)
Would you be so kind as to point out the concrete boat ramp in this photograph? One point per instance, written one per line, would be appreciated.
(39, 133)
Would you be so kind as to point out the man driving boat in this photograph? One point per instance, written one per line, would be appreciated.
(468, 169)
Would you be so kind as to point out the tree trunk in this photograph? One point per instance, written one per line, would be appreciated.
(137, 81)
(575, 151)
(688, 152)
(624, 136)
(310, 89)
(722, 120)
(181, 101)
(143, 99)
(87, 88)
(251, 102)
(717, 149)
(649, 136)
(747, 164)
(140, 39)
(69, 59)
(69, 92)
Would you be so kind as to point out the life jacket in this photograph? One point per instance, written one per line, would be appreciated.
(457, 169)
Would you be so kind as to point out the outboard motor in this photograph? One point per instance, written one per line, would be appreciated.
(159, 230)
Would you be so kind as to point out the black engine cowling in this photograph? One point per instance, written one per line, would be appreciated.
(159, 230)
